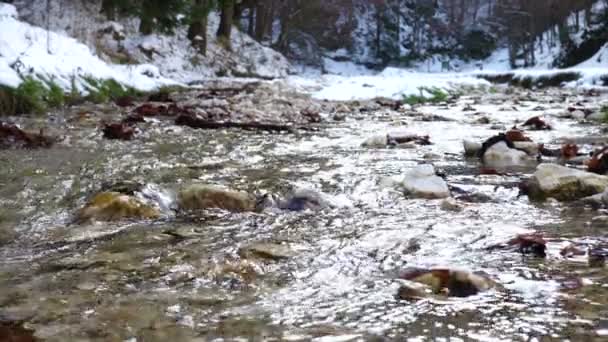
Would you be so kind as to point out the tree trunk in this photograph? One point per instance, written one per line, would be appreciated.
(226, 20)
(197, 32)
(251, 21)
(108, 8)
(260, 17)
(149, 9)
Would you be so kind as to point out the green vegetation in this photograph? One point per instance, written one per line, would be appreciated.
(36, 95)
(435, 95)
(604, 112)
(101, 91)
(31, 96)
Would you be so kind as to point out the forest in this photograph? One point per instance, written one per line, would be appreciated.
(390, 31)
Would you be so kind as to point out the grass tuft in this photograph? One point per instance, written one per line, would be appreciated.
(433, 95)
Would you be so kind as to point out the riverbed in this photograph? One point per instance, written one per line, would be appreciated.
(184, 277)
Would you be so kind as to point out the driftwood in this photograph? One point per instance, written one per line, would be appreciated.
(196, 122)
(13, 136)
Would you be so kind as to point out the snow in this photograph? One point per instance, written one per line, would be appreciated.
(391, 83)
(32, 51)
(599, 60)
(177, 59)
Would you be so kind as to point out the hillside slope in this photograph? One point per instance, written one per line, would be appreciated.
(119, 43)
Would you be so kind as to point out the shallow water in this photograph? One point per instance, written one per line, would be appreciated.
(182, 278)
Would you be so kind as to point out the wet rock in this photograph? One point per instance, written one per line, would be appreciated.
(380, 141)
(114, 206)
(497, 127)
(563, 183)
(200, 196)
(118, 131)
(15, 332)
(311, 114)
(484, 120)
(598, 162)
(266, 250)
(577, 114)
(597, 256)
(433, 118)
(339, 116)
(133, 119)
(160, 96)
(185, 232)
(531, 148)
(303, 199)
(537, 123)
(125, 101)
(471, 148)
(502, 156)
(566, 152)
(422, 182)
(515, 134)
(452, 283)
(468, 108)
(572, 250)
(451, 204)
(532, 243)
(11, 136)
(148, 109)
(597, 116)
(413, 291)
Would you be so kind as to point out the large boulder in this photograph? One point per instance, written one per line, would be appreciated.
(114, 206)
(564, 183)
(420, 182)
(500, 155)
(201, 196)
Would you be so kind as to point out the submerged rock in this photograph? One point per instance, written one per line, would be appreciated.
(305, 199)
(379, 141)
(452, 283)
(451, 204)
(201, 196)
(563, 183)
(266, 250)
(114, 206)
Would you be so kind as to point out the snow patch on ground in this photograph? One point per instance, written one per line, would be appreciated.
(599, 60)
(27, 50)
(176, 58)
(391, 83)
(96, 46)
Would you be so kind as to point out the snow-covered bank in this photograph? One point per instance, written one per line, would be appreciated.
(172, 54)
(27, 50)
(154, 60)
(391, 83)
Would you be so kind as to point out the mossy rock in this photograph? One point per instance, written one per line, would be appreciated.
(563, 183)
(114, 206)
(198, 197)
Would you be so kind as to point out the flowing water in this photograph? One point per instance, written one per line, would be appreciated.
(182, 277)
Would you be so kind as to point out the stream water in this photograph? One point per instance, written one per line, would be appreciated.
(182, 278)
